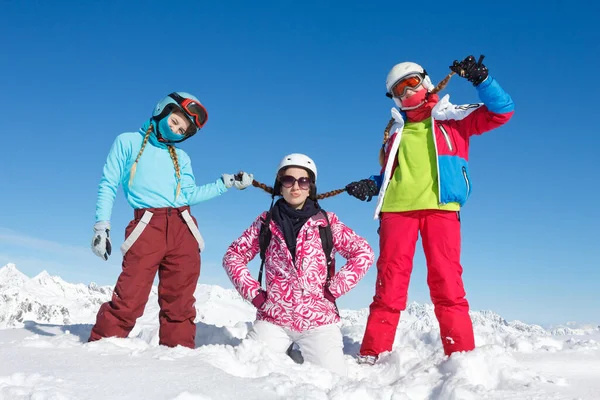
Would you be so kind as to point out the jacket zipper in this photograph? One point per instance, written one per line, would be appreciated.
(302, 252)
(446, 136)
(385, 181)
(437, 162)
(464, 171)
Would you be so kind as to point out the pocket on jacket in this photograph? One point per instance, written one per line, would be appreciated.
(467, 182)
(447, 138)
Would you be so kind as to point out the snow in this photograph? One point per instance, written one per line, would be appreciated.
(45, 323)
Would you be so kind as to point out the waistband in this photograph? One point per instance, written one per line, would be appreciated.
(139, 212)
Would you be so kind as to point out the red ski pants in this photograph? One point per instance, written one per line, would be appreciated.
(440, 234)
(163, 242)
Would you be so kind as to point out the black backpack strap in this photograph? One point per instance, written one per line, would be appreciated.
(264, 239)
(327, 243)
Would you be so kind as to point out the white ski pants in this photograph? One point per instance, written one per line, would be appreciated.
(321, 346)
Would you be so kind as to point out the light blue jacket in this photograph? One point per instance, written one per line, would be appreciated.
(155, 181)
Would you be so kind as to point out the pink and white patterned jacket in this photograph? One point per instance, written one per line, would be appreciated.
(295, 293)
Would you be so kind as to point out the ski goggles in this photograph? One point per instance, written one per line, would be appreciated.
(288, 181)
(193, 109)
(409, 82)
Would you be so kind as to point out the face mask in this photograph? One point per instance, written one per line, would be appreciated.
(165, 131)
(415, 100)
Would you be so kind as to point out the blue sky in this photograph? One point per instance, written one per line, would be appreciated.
(279, 77)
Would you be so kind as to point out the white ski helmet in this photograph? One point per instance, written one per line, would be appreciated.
(399, 71)
(298, 160)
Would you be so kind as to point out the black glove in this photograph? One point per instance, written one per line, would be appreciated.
(468, 68)
(363, 190)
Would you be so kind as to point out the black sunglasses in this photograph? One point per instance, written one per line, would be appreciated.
(288, 181)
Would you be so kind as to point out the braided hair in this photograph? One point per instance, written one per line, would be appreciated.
(172, 153)
(275, 190)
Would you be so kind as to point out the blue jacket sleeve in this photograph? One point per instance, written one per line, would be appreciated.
(498, 110)
(112, 176)
(494, 97)
(378, 180)
(197, 194)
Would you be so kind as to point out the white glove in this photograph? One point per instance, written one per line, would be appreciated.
(101, 241)
(243, 180)
(240, 181)
(228, 180)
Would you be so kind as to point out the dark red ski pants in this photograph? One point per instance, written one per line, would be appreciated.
(440, 234)
(168, 246)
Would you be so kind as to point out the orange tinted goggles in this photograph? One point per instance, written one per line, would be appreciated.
(410, 82)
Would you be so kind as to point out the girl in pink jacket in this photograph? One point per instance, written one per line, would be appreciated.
(298, 305)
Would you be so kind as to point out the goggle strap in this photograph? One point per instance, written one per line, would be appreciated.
(180, 101)
(177, 98)
(191, 117)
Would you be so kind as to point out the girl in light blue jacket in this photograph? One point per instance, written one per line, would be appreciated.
(163, 237)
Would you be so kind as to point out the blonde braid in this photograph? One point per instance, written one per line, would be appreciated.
(386, 137)
(440, 86)
(173, 154)
(134, 166)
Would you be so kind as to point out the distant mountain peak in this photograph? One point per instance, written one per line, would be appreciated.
(10, 275)
(49, 299)
(46, 299)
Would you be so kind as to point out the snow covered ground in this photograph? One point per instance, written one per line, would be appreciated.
(45, 322)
